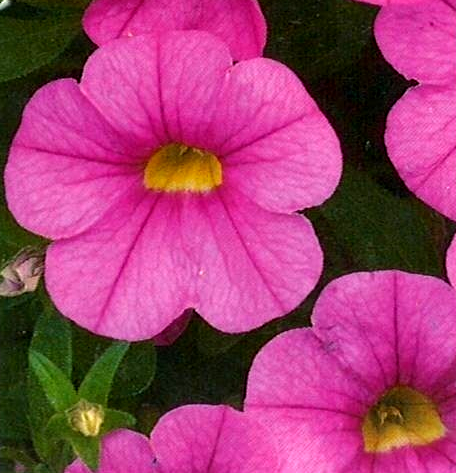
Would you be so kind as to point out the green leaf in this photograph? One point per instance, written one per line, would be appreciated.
(136, 372)
(96, 385)
(116, 419)
(56, 385)
(366, 227)
(29, 44)
(52, 338)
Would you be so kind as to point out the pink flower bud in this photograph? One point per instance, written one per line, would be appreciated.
(22, 274)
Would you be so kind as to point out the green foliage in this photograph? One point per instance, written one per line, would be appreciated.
(97, 384)
(28, 44)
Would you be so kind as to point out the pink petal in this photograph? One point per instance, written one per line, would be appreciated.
(239, 23)
(390, 327)
(121, 451)
(421, 141)
(218, 439)
(173, 331)
(154, 256)
(160, 87)
(277, 145)
(299, 390)
(420, 40)
(67, 166)
(254, 265)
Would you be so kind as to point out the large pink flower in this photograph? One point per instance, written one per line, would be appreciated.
(420, 42)
(190, 439)
(239, 23)
(372, 386)
(169, 178)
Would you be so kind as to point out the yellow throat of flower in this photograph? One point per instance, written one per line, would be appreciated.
(403, 416)
(179, 168)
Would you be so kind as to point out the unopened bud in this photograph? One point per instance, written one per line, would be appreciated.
(86, 418)
(22, 274)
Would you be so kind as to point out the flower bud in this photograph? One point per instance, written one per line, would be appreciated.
(86, 418)
(22, 274)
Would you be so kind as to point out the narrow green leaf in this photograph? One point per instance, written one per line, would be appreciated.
(56, 385)
(52, 338)
(58, 426)
(96, 385)
(29, 44)
(116, 419)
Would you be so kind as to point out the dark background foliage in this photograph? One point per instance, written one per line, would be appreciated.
(372, 221)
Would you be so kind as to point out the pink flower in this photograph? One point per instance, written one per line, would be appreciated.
(372, 386)
(196, 439)
(239, 23)
(420, 42)
(169, 178)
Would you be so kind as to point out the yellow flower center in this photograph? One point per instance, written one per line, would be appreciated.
(403, 416)
(177, 168)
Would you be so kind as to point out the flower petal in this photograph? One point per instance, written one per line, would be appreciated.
(67, 165)
(276, 144)
(155, 255)
(119, 451)
(420, 40)
(254, 265)
(297, 388)
(204, 438)
(421, 142)
(239, 23)
(390, 328)
(158, 88)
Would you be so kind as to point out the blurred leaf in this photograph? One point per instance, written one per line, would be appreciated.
(52, 338)
(96, 385)
(317, 38)
(86, 448)
(28, 44)
(374, 229)
(57, 3)
(56, 385)
(212, 342)
(136, 371)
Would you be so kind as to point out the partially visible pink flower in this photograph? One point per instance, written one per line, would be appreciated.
(212, 439)
(372, 386)
(190, 439)
(420, 42)
(169, 178)
(22, 274)
(239, 23)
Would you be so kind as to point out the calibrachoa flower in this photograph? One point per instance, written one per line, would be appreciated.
(190, 439)
(169, 177)
(372, 386)
(420, 42)
(239, 23)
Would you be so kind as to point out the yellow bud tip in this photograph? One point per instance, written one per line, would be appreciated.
(179, 168)
(86, 418)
